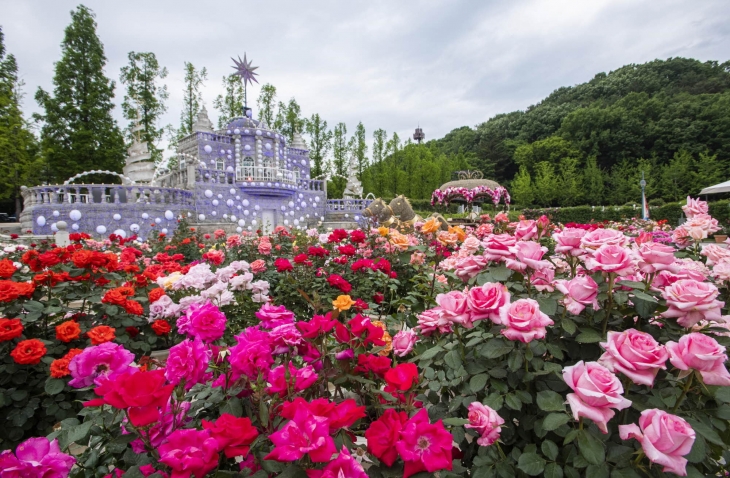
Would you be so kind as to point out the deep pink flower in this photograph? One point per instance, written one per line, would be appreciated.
(528, 254)
(597, 391)
(98, 363)
(403, 342)
(579, 291)
(611, 258)
(319, 324)
(283, 265)
(525, 230)
(234, 435)
(695, 207)
(167, 424)
(524, 321)
(344, 466)
(691, 301)
(431, 320)
(702, 353)
(635, 354)
(190, 453)
(654, 257)
(383, 434)
(593, 240)
(304, 434)
(36, 457)
(274, 315)
(299, 379)
(252, 355)
(497, 247)
(205, 322)
(486, 301)
(454, 308)
(424, 446)
(485, 421)
(188, 361)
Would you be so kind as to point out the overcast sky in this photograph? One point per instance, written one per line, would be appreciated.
(391, 65)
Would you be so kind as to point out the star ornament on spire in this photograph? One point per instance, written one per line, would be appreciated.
(245, 70)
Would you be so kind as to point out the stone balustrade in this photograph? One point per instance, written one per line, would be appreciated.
(105, 194)
(347, 205)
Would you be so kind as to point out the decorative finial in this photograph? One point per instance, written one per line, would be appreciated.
(245, 70)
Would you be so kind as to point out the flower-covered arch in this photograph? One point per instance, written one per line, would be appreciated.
(470, 187)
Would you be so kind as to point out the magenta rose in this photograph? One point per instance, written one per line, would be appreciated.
(694, 207)
(603, 237)
(635, 354)
(597, 391)
(486, 422)
(524, 321)
(403, 342)
(691, 301)
(487, 300)
(568, 241)
(700, 352)
(525, 230)
(188, 361)
(190, 452)
(579, 291)
(654, 257)
(454, 308)
(612, 259)
(274, 315)
(36, 457)
(497, 247)
(528, 254)
(205, 322)
(98, 363)
(665, 438)
(283, 381)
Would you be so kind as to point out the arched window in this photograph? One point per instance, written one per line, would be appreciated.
(220, 164)
(181, 162)
(244, 169)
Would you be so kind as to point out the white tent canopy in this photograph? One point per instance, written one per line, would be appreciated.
(717, 188)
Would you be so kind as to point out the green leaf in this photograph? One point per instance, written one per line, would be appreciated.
(633, 284)
(624, 473)
(78, 433)
(33, 306)
(698, 452)
(293, 471)
(591, 448)
(54, 386)
(568, 326)
(478, 382)
(496, 348)
(553, 470)
(232, 406)
(550, 401)
(531, 463)
(723, 394)
(430, 353)
(588, 336)
(708, 433)
(549, 449)
(645, 308)
(500, 273)
(597, 471)
(548, 305)
(512, 401)
(455, 421)
(453, 359)
(555, 421)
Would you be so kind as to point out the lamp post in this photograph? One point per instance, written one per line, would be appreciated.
(644, 207)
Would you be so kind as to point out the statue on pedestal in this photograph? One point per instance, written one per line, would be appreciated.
(353, 189)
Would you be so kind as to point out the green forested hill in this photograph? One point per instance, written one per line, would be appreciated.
(587, 144)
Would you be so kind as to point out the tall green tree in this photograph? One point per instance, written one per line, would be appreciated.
(360, 148)
(192, 98)
(593, 182)
(340, 158)
(291, 119)
(265, 104)
(377, 173)
(79, 132)
(320, 142)
(708, 171)
(229, 105)
(677, 176)
(569, 191)
(521, 189)
(546, 184)
(18, 146)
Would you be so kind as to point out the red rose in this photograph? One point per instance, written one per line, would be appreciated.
(133, 307)
(132, 331)
(101, 334)
(49, 259)
(357, 236)
(28, 352)
(234, 435)
(283, 265)
(402, 377)
(339, 282)
(372, 364)
(378, 297)
(360, 305)
(68, 331)
(7, 269)
(156, 294)
(337, 235)
(383, 433)
(10, 329)
(347, 250)
(161, 327)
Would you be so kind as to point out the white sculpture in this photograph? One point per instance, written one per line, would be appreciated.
(353, 189)
(139, 165)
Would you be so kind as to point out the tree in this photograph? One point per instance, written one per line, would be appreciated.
(265, 104)
(79, 132)
(521, 189)
(340, 158)
(192, 98)
(320, 142)
(708, 171)
(677, 177)
(18, 146)
(393, 145)
(145, 97)
(546, 184)
(230, 105)
(593, 182)
(569, 193)
(289, 119)
(360, 148)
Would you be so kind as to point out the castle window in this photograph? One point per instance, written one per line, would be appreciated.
(220, 164)
(244, 169)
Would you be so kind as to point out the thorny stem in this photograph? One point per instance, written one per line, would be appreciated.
(609, 305)
(687, 385)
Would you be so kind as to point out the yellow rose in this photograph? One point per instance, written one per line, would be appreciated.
(168, 281)
(432, 225)
(383, 231)
(343, 302)
(460, 234)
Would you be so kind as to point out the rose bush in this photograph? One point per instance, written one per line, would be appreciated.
(512, 349)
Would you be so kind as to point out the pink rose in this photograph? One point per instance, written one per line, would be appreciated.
(258, 266)
(403, 342)
(691, 301)
(469, 266)
(702, 353)
(715, 254)
(665, 438)
(188, 361)
(525, 230)
(654, 257)
(694, 207)
(524, 321)
(486, 422)
(542, 280)
(487, 300)
(265, 246)
(700, 226)
(612, 259)
(497, 247)
(527, 254)
(602, 237)
(431, 320)
(579, 292)
(597, 391)
(190, 452)
(205, 322)
(274, 315)
(568, 241)
(635, 354)
(294, 381)
(454, 308)
(721, 271)
(470, 245)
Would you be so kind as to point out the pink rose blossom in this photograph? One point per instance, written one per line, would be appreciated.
(403, 342)
(36, 457)
(418, 258)
(258, 266)
(665, 438)
(274, 315)
(470, 245)
(252, 355)
(525, 230)
(285, 336)
(612, 259)
(188, 361)
(654, 257)
(299, 379)
(715, 254)
(680, 237)
(691, 301)
(603, 237)
(424, 446)
(484, 230)
(487, 300)
(265, 246)
(99, 363)
(469, 266)
(635, 354)
(497, 247)
(524, 321)
(454, 308)
(486, 422)
(205, 322)
(160, 430)
(597, 391)
(700, 352)
(701, 226)
(579, 292)
(431, 320)
(694, 207)
(568, 241)
(189, 453)
(342, 466)
(527, 254)
(721, 271)
(542, 280)
(305, 434)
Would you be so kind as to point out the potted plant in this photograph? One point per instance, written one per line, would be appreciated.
(721, 235)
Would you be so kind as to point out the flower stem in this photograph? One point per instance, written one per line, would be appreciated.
(687, 385)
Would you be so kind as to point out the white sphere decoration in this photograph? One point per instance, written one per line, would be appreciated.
(56, 213)
(247, 147)
(304, 203)
(256, 207)
(223, 151)
(237, 131)
(321, 218)
(238, 198)
(134, 227)
(120, 232)
(207, 176)
(246, 213)
(258, 132)
(229, 156)
(214, 213)
(208, 149)
(238, 207)
(267, 146)
(41, 221)
(164, 230)
(75, 215)
(254, 214)
(233, 218)
(316, 199)
(75, 227)
(249, 228)
(220, 196)
(291, 203)
(298, 208)
(307, 216)
(228, 132)
(245, 202)
(169, 215)
(241, 222)
(232, 191)
(208, 193)
(304, 162)
(201, 217)
(347, 215)
(296, 222)
(301, 219)
(54, 228)
(229, 169)
(286, 222)
(229, 151)
(145, 215)
(283, 208)
(301, 195)
(101, 229)
(253, 222)
(117, 217)
(158, 220)
(215, 202)
(229, 203)
(225, 216)
(357, 218)
(239, 229)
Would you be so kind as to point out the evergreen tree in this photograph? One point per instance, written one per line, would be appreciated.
(340, 158)
(380, 138)
(620, 183)
(521, 189)
(393, 145)
(546, 184)
(231, 105)
(18, 147)
(280, 118)
(708, 171)
(360, 147)
(145, 97)
(192, 98)
(320, 142)
(78, 132)
(677, 177)
(265, 104)
(569, 193)
(293, 121)
(593, 182)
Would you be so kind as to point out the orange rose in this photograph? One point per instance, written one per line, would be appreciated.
(28, 352)
(68, 331)
(7, 269)
(343, 302)
(161, 327)
(133, 307)
(101, 334)
(156, 294)
(383, 231)
(447, 238)
(399, 241)
(59, 367)
(460, 234)
(10, 329)
(432, 225)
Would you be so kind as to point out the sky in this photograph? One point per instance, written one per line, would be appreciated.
(392, 65)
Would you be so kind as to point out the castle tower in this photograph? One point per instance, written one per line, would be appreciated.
(202, 122)
(139, 166)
